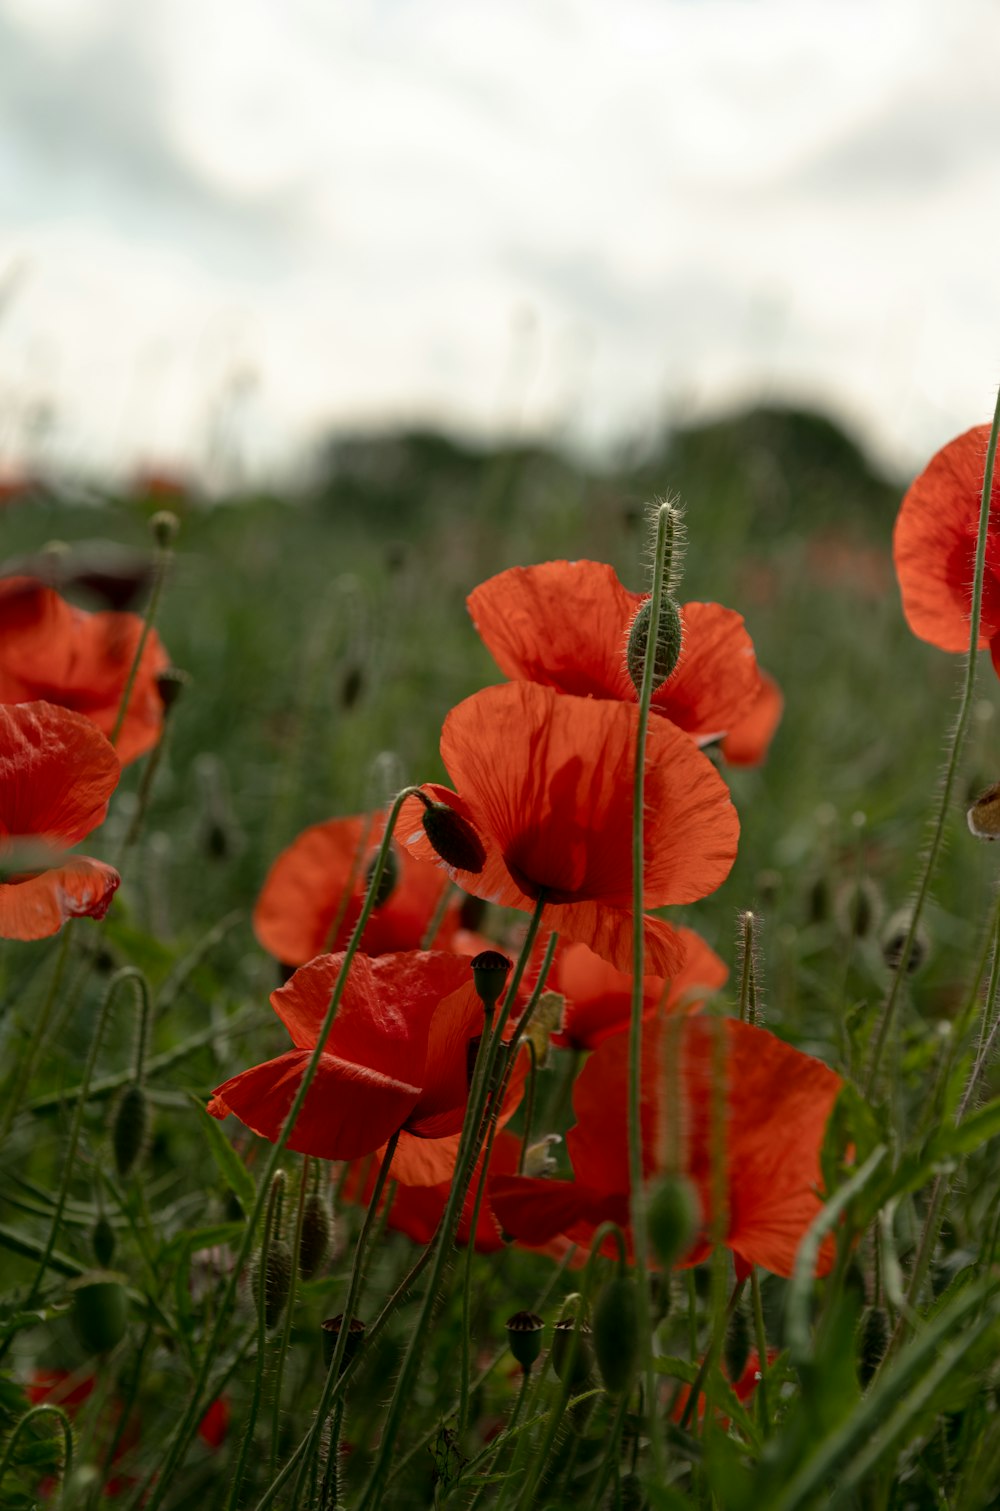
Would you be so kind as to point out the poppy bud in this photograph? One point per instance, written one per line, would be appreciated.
(102, 1241)
(632, 1497)
(170, 683)
(388, 879)
(317, 1229)
(130, 1128)
(277, 1281)
(454, 838)
(616, 1333)
(163, 527)
(489, 974)
(100, 1311)
(673, 1216)
(872, 1340)
(351, 686)
(331, 1332)
(524, 1335)
(858, 908)
(736, 1345)
(668, 643)
(562, 1341)
(894, 938)
(984, 815)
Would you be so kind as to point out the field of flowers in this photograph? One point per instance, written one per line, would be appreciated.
(411, 1097)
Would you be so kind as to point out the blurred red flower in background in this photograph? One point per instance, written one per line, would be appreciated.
(749, 740)
(57, 772)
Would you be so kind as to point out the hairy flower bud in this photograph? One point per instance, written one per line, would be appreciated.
(331, 1332)
(673, 1216)
(100, 1311)
(388, 880)
(454, 838)
(130, 1128)
(276, 1279)
(317, 1230)
(616, 1332)
(668, 643)
(102, 1241)
(736, 1345)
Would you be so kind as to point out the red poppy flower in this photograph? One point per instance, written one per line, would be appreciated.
(313, 894)
(565, 624)
(599, 998)
(545, 781)
(50, 650)
(934, 547)
(742, 1389)
(56, 774)
(214, 1425)
(749, 740)
(777, 1104)
(396, 1058)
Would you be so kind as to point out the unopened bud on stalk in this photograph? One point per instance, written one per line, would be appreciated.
(352, 685)
(858, 908)
(984, 815)
(736, 1345)
(579, 1368)
(102, 1241)
(163, 527)
(276, 1280)
(872, 1341)
(454, 838)
(170, 683)
(673, 1217)
(616, 1332)
(317, 1230)
(490, 970)
(524, 1335)
(100, 1311)
(389, 878)
(130, 1128)
(331, 1332)
(894, 939)
(667, 648)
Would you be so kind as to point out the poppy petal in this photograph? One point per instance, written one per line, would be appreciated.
(749, 740)
(57, 772)
(716, 676)
(36, 907)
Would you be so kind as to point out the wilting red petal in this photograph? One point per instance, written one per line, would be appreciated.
(934, 545)
(565, 625)
(53, 651)
(312, 897)
(748, 741)
(35, 907)
(57, 773)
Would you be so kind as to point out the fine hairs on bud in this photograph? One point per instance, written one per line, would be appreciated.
(751, 976)
(668, 633)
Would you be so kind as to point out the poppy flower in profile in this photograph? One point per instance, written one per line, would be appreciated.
(934, 547)
(53, 651)
(599, 998)
(749, 740)
(397, 1056)
(545, 791)
(57, 773)
(313, 894)
(777, 1102)
(565, 624)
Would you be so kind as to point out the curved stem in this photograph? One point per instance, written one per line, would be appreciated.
(64, 1422)
(951, 765)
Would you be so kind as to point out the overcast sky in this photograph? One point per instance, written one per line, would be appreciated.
(259, 219)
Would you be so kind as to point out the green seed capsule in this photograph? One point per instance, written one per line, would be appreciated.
(616, 1333)
(668, 643)
(317, 1230)
(130, 1128)
(524, 1335)
(100, 1311)
(490, 970)
(873, 1340)
(277, 1281)
(673, 1216)
(102, 1241)
(736, 1346)
(583, 1361)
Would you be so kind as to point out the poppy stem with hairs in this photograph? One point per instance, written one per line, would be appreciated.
(666, 523)
(271, 1224)
(158, 1482)
(473, 1132)
(951, 766)
(29, 1416)
(164, 527)
(286, 1337)
(29, 1058)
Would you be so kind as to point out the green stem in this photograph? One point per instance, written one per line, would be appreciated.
(64, 1422)
(503, 1438)
(665, 527)
(286, 1336)
(612, 1455)
(712, 1352)
(271, 1223)
(470, 1254)
(437, 919)
(159, 1479)
(760, 1335)
(29, 1058)
(164, 556)
(951, 765)
(529, 1108)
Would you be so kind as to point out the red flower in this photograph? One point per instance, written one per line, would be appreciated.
(748, 741)
(742, 1389)
(545, 781)
(396, 1058)
(50, 650)
(777, 1104)
(599, 998)
(565, 624)
(214, 1425)
(312, 897)
(934, 547)
(56, 774)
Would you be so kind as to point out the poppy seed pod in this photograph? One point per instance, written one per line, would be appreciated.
(389, 878)
(277, 1281)
(317, 1228)
(100, 1311)
(616, 1333)
(524, 1336)
(894, 939)
(673, 1216)
(102, 1241)
(489, 973)
(576, 1365)
(668, 643)
(163, 527)
(130, 1128)
(170, 683)
(453, 838)
(331, 1332)
(984, 814)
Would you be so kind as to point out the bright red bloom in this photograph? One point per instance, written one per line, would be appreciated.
(599, 998)
(397, 1056)
(749, 740)
(313, 894)
(742, 1389)
(934, 547)
(56, 774)
(545, 780)
(214, 1425)
(777, 1104)
(565, 624)
(53, 651)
